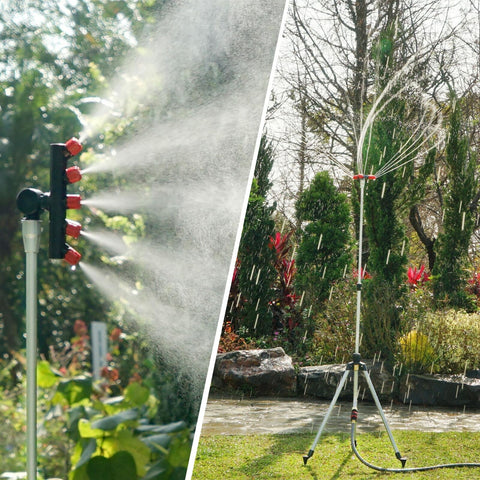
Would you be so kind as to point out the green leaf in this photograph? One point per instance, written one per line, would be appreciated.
(124, 440)
(120, 466)
(179, 453)
(178, 474)
(158, 442)
(156, 470)
(79, 474)
(76, 389)
(99, 468)
(137, 394)
(88, 451)
(46, 377)
(168, 428)
(112, 422)
(123, 466)
(87, 431)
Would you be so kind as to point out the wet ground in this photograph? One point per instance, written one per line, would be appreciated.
(226, 416)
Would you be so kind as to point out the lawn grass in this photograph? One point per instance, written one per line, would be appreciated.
(258, 457)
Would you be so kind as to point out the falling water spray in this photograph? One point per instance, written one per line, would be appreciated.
(202, 74)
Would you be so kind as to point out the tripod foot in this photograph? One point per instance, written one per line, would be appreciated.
(307, 456)
(403, 460)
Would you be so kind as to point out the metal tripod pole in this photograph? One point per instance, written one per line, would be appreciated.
(31, 241)
(356, 365)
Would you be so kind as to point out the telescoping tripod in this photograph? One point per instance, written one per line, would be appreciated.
(356, 366)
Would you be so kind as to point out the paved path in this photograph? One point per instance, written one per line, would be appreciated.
(247, 416)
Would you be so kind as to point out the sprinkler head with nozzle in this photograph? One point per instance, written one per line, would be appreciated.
(73, 146)
(73, 174)
(72, 228)
(72, 256)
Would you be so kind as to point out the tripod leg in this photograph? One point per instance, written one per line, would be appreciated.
(384, 419)
(327, 415)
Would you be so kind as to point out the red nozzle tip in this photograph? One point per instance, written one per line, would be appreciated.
(361, 177)
(73, 174)
(73, 146)
(74, 202)
(73, 229)
(72, 256)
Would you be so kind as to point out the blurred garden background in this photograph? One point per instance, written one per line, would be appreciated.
(413, 67)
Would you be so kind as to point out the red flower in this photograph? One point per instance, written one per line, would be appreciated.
(115, 334)
(80, 328)
(235, 270)
(416, 276)
(109, 373)
(475, 280)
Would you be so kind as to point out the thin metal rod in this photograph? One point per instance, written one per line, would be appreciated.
(360, 270)
(380, 411)
(330, 408)
(31, 239)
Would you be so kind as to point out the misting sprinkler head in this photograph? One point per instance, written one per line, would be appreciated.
(72, 256)
(73, 146)
(74, 202)
(72, 228)
(32, 202)
(366, 177)
(73, 174)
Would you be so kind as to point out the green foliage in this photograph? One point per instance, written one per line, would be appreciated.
(12, 417)
(252, 288)
(455, 339)
(89, 430)
(116, 434)
(324, 252)
(334, 327)
(416, 351)
(450, 272)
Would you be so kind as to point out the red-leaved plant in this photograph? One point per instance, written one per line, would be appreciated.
(416, 277)
(283, 306)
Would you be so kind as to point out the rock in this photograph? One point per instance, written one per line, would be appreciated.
(441, 390)
(321, 381)
(270, 372)
(256, 372)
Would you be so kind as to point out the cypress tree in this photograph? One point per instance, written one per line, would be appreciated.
(324, 250)
(252, 290)
(452, 245)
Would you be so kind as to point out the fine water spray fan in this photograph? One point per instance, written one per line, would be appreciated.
(356, 366)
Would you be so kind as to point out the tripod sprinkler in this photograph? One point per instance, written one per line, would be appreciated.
(356, 366)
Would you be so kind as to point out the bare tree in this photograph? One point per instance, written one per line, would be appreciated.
(337, 44)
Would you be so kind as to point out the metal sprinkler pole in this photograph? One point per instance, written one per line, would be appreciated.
(359, 297)
(31, 240)
(360, 267)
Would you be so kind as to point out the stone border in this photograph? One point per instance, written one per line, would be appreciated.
(270, 372)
